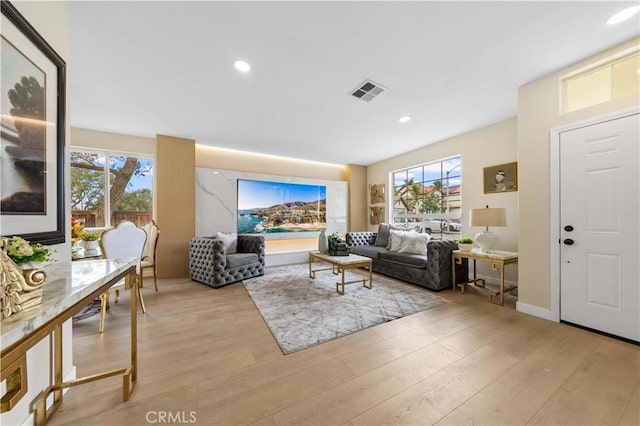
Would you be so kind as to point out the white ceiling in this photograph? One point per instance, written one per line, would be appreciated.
(144, 68)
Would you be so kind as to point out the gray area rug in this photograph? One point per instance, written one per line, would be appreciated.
(303, 312)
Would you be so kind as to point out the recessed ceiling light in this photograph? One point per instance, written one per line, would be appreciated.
(242, 66)
(623, 15)
(404, 119)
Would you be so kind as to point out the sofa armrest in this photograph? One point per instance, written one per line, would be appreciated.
(208, 249)
(360, 238)
(252, 244)
(439, 261)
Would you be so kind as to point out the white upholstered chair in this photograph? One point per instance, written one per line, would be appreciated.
(149, 252)
(126, 240)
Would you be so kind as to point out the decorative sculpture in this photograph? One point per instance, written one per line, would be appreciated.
(376, 192)
(376, 215)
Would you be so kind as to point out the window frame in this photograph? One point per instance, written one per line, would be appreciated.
(420, 220)
(106, 181)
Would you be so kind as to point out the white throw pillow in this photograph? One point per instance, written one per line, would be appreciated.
(395, 240)
(230, 240)
(414, 243)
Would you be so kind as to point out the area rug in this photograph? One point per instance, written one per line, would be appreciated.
(303, 312)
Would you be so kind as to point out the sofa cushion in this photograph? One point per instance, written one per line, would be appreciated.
(368, 251)
(395, 240)
(382, 239)
(413, 260)
(396, 237)
(230, 240)
(236, 260)
(414, 243)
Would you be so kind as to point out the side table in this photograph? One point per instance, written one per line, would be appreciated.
(497, 259)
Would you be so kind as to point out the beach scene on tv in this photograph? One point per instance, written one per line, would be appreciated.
(265, 207)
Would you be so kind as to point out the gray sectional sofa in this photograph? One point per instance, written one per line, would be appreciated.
(432, 271)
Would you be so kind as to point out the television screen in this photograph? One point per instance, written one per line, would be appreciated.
(267, 207)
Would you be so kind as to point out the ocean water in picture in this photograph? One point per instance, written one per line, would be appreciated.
(248, 223)
(272, 207)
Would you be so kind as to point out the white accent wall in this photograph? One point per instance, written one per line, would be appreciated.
(217, 208)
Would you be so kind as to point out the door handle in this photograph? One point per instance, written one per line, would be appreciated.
(568, 241)
(568, 228)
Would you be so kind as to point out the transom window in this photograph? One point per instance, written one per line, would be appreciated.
(126, 179)
(429, 197)
(598, 83)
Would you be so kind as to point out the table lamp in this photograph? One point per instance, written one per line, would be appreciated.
(487, 217)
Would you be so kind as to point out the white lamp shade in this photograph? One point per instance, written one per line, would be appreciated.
(488, 217)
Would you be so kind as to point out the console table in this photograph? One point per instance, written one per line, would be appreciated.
(497, 259)
(70, 286)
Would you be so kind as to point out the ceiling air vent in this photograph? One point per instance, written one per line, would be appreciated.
(368, 90)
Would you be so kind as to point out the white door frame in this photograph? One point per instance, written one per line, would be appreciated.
(554, 184)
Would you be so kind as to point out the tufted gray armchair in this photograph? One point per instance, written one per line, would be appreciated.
(209, 264)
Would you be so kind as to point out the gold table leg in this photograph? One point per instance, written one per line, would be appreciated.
(15, 375)
(129, 375)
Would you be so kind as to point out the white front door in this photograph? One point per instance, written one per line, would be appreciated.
(600, 227)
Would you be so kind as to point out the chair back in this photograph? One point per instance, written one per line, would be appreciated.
(153, 232)
(126, 240)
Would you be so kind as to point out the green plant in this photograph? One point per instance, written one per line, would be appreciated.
(334, 239)
(465, 240)
(21, 251)
(337, 242)
(89, 236)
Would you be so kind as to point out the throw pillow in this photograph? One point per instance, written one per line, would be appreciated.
(395, 239)
(394, 228)
(230, 240)
(414, 243)
(382, 239)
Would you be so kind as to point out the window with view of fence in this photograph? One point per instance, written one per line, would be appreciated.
(107, 188)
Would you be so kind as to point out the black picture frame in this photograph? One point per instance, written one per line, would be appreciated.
(56, 232)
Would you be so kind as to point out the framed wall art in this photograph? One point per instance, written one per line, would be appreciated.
(32, 101)
(376, 193)
(501, 178)
(376, 215)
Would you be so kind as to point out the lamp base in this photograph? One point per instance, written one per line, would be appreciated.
(487, 241)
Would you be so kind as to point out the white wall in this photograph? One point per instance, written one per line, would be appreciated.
(538, 113)
(487, 146)
(50, 19)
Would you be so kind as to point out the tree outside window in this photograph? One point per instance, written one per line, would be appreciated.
(128, 181)
(429, 196)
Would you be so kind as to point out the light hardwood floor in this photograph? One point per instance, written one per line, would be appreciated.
(206, 355)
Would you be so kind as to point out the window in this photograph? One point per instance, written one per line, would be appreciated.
(617, 78)
(127, 179)
(429, 196)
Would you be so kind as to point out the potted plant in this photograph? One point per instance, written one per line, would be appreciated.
(337, 245)
(90, 239)
(465, 243)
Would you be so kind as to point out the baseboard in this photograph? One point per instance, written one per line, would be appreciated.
(535, 311)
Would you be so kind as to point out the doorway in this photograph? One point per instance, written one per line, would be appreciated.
(597, 227)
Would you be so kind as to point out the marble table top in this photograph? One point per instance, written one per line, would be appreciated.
(498, 254)
(341, 260)
(67, 284)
